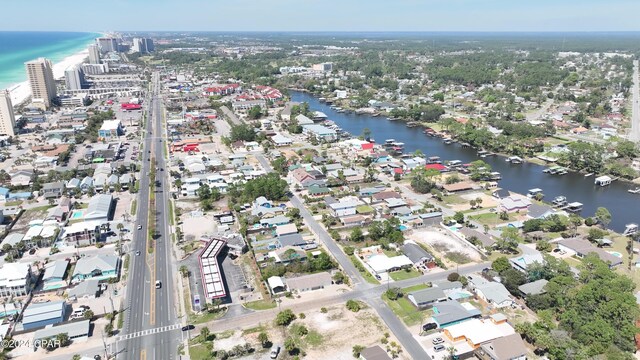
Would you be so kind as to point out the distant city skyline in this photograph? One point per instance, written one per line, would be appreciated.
(322, 15)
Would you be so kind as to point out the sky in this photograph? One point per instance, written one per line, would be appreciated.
(320, 15)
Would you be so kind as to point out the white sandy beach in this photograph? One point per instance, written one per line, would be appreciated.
(21, 92)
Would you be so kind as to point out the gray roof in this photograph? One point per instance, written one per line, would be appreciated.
(427, 296)
(291, 240)
(12, 238)
(74, 329)
(536, 211)
(43, 311)
(416, 253)
(99, 206)
(374, 353)
(53, 185)
(85, 288)
(448, 285)
(485, 239)
(533, 288)
(451, 311)
(55, 269)
(495, 292)
(278, 219)
(86, 265)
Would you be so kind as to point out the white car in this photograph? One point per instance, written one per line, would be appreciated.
(139, 227)
(437, 341)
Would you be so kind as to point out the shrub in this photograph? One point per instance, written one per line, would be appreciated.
(354, 305)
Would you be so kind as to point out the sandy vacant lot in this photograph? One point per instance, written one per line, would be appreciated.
(443, 243)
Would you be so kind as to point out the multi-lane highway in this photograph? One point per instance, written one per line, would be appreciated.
(151, 330)
(634, 135)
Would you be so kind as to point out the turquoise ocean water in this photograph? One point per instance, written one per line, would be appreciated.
(16, 48)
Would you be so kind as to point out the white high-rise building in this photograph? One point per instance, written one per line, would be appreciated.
(107, 44)
(74, 78)
(142, 45)
(43, 86)
(94, 54)
(7, 117)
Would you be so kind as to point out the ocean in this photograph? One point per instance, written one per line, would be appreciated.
(17, 47)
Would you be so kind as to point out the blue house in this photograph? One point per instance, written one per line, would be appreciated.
(101, 267)
(43, 314)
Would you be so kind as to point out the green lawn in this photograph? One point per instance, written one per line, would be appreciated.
(367, 275)
(260, 305)
(134, 206)
(206, 316)
(403, 274)
(199, 352)
(490, 218)
(364, 209)
(405, 310)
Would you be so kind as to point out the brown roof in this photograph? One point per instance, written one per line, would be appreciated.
(384, 195)
(506, 347)
(465, 185)
(374, 353)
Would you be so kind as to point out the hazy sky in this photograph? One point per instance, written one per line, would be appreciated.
(322, 15)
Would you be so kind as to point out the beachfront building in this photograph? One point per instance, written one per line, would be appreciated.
(94, 54)
(142, 45)
(40, 75)
(110, 129)
(74, 78)
(7, 117)
(107, 44)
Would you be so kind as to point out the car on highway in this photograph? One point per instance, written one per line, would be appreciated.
(139, 227)
(158, 284)
(138, 253)
(188, 327)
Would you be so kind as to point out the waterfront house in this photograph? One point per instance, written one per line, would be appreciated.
(536, 211)
(514, 203)
(582, 247)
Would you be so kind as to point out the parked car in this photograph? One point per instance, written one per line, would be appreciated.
(438, 348)
(437, 341)
(188, 327)
(274, 352)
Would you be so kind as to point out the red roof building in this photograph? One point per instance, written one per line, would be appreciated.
(367, 146)
(438, 167)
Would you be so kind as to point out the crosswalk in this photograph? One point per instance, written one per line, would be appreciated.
(149, 332)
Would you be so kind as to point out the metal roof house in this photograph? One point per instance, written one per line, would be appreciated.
(54, 273)
(100, 208)
(100, 267)
(76, 331)
(426, 297)
(43, 314)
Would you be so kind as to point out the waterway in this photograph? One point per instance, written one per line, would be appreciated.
(624, 206)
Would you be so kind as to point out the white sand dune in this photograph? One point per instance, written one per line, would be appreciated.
(21, 91)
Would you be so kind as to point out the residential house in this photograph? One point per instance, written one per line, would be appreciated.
(21, 178)
(309, 282)
(476, 332)
(100, 267)
(492, 292)
(81, 233)
(514, 203)
(271, 222)
(419, 256)
(426, 297)
(54, 274)
(533, 288)
(476, 237)
(52, 190)
(510, 347)
(287, 229)
(100, 208)
(582, 247)
(16, 279)
(88, 289)
(536, 211)
(501, 193)
(40, 315)
(451, 312)
(345, 207)
(524, 261)
(374, 353)
(276, 284)
(288, 254)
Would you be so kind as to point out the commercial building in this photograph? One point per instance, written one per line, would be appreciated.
(74, 78)
(100, 208)
(7, 117)
(76, 331)
(16, 279)
(94, 54)
(43, 314)
(110, 129)
(43, 86)
(95, 69)
(210, 269)
(309, 282)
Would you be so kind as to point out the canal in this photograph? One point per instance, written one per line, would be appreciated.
(624, 206)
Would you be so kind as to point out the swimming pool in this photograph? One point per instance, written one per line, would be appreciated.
(77, 214)
(403, 228)
(615, 253)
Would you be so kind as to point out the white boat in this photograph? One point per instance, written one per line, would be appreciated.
(560, 201)
(634, 191)
(515, 160)
(589, 174)
(534, 192)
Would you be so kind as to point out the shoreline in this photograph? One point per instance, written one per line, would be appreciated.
(21, 92)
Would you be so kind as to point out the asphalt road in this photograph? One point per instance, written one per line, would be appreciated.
(412, 347)
(148, 307)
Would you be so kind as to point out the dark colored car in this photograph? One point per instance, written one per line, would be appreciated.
(429, 326)
(188, 327)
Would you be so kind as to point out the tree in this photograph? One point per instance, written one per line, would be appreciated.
(626, 149)
(356, 235)
(454, 276)
(204, 334)
(394, 293)
(501, 264)
(285, 317)
(357, 349)
(88, 315)
(354, 305)
(184, 271)
(603, 216)
(63, 339)
(509, 239)
(242, 132)
(255, 112)
(458, 217)
(366, 133)
(264, 339)
(339, 277)
(290, 345)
